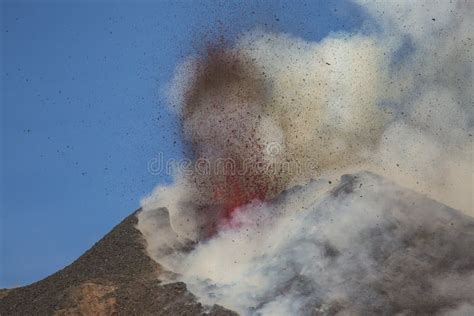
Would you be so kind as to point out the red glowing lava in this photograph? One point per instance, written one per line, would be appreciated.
(235, 195)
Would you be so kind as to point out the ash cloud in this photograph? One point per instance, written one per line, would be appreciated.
(394, 99)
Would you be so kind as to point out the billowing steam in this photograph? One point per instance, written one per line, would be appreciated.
(358, 250)
(252, 225)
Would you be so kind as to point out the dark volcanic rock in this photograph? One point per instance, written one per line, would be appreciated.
(114, 277)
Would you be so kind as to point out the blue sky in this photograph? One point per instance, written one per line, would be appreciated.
(82, 112)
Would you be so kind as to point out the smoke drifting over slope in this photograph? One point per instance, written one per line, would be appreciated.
(366, 248)
(272, 111)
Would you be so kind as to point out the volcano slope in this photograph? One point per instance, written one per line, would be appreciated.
(114, 277)
(420, 255)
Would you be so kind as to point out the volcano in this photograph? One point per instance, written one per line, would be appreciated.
(365, 246)
(421, 253)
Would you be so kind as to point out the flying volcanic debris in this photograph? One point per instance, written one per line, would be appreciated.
(262, 225)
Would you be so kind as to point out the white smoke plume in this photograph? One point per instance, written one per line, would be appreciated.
(430, 137)
(394, 99)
